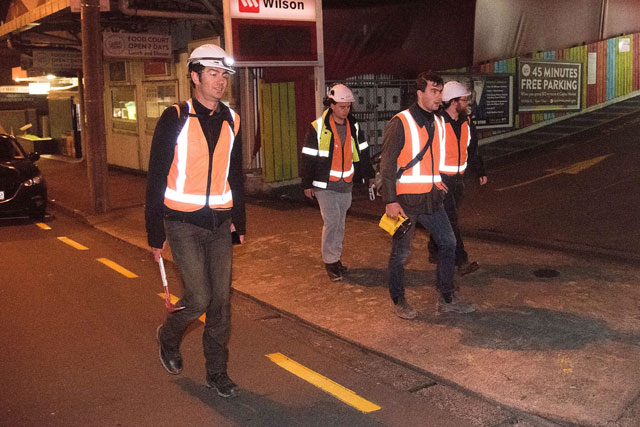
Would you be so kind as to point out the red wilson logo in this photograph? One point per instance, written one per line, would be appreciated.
(250, 6)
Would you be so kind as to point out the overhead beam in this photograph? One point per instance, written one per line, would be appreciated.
(26, 20)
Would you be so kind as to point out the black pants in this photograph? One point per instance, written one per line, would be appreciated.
(452, 200)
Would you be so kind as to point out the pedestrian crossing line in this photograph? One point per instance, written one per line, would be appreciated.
(117, 267)
(73, 243)
(175, 299)
(43, 225)
(336, 390)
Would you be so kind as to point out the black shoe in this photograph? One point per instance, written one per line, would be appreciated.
(334, 272)
(222, 384)
(171, 362)
(343, 268)
(468, 267)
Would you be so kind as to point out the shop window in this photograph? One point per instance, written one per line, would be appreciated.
(124, 110)
(156, 68)
(118, 71)
(158, 96)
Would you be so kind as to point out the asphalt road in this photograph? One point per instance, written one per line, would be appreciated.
(581, 193)
(79, 349)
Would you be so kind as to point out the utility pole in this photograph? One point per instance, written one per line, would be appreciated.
(96, 146)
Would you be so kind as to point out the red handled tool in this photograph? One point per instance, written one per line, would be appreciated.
(167, 297)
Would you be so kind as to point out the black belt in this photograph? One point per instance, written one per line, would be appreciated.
(204, 218)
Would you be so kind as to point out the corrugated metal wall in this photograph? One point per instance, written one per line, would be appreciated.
(617, 74)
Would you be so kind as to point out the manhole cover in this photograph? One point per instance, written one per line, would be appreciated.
(546, 273)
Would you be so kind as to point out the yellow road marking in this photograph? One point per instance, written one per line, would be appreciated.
(72, 243)
(174, 299)
(120, 269)
(573, 169)
(43, 225)
(324, 383)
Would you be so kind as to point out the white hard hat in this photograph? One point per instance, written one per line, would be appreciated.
(454, 89)
(341, 93)
(210, 55)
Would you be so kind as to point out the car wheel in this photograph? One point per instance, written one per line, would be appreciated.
(39, 212)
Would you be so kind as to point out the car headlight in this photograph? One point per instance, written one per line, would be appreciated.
(33, 181)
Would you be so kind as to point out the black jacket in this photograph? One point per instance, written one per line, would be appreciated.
(161, 157)
(316, 168)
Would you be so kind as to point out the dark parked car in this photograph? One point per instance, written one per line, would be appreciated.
(23, 191)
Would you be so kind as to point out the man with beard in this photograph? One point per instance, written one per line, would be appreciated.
(461, 148)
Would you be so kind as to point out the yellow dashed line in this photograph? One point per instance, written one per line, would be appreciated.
(324, 383)
(71, 243)
(117, 268)
(43, 225)
(175, 299)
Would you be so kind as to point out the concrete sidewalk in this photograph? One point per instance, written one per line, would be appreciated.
(565, 348)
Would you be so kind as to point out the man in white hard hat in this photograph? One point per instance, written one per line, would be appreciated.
(412, 148)
(195, 192)
(461, 148)
(334, 156)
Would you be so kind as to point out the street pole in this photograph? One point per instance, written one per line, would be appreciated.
(96, 147)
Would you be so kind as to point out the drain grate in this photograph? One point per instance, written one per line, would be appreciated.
(546, 273)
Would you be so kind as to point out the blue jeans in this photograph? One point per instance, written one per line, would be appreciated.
(451, 202)
(439, 228)
(204, 259)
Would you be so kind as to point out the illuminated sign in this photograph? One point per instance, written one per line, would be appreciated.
(288, 10)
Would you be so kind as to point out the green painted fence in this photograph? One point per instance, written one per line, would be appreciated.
(278, 131)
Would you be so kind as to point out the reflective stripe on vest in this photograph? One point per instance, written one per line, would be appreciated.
(324, 138)
(455, 158)
(187, 180)
(420, 178)
(342, 153)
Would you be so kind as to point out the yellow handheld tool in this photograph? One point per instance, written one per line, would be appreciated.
(396, 227)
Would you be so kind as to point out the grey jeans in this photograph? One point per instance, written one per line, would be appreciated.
(333, 207)
(204, 259)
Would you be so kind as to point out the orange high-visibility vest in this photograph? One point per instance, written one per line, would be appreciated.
(455, 159)
(422, 176)
(187, 180)
(342, 161)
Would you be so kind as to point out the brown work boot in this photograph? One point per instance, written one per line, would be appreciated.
(467, 268)
(334, 271)
(455, 306)
(403, 310)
